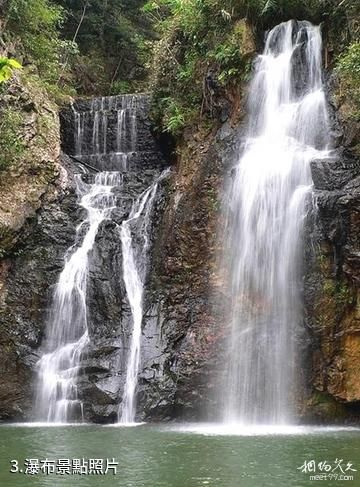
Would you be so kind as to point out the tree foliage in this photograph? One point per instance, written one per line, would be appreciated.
(111, 36)
(11, 145)
(106, 46)
(34, 27)
(92, 45)
(198, 35)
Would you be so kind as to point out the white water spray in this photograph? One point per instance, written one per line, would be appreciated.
(105, 134)
(266, 208)
(67, 332)
(135, 259)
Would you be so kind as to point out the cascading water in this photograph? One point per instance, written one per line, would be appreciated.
(106, 135)
(266, 207)
(135, 258)
(67, 333)
(101, 143)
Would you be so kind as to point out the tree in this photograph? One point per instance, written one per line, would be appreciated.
(111, 36)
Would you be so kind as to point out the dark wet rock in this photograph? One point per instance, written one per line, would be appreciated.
(331, 174)
(183, 315)
(30, 273)
(331, 285)
(109, 318)
(108, 107)
(183, 331)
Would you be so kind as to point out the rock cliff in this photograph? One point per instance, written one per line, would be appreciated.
(184, 301)
(331, 286)
(34, 191)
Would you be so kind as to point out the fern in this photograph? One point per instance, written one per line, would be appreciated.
(174, 117)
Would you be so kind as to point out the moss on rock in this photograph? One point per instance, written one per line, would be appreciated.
(31, 165)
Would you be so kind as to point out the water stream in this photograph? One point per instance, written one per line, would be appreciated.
(135, 263)
(265, 211)
(67, 332)
(105, 134)
(94, 139)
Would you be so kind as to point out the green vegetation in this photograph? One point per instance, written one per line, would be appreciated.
(325, 406)
(348, 68)
(174, 116)
(339, 291)
(11, 146)
(189, 52)
(106, 47)
(113, 40)
(7, 66)
(91, 46)
(199, 40)
(33, 26)
(198, 37)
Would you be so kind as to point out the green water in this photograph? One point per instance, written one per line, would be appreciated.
(162, 456)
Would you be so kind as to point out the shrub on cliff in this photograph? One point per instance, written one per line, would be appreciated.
(348, 68)
(7, 66)
(11, 145)
(32, 27)
(198, 37)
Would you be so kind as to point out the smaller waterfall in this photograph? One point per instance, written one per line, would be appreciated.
(67, 331)
(113, 135)
(126, 117)
(135, 259)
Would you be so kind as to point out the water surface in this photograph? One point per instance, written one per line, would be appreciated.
(180, 456)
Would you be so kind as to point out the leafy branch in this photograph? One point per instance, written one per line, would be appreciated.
(7, 66)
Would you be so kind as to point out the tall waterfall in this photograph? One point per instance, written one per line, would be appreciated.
(67, 333)
(135, 259)
(266, 207)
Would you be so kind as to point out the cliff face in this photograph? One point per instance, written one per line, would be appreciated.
(36, 194)
(180, 326)
(35, 258)
(110, 322)
(186, 289)
(332, 277)
(193, 302)
(183, 332)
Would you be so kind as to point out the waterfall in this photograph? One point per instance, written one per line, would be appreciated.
(135, 259)
(265, 210)
(93, 139)
(67, 332)
(108, 133)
